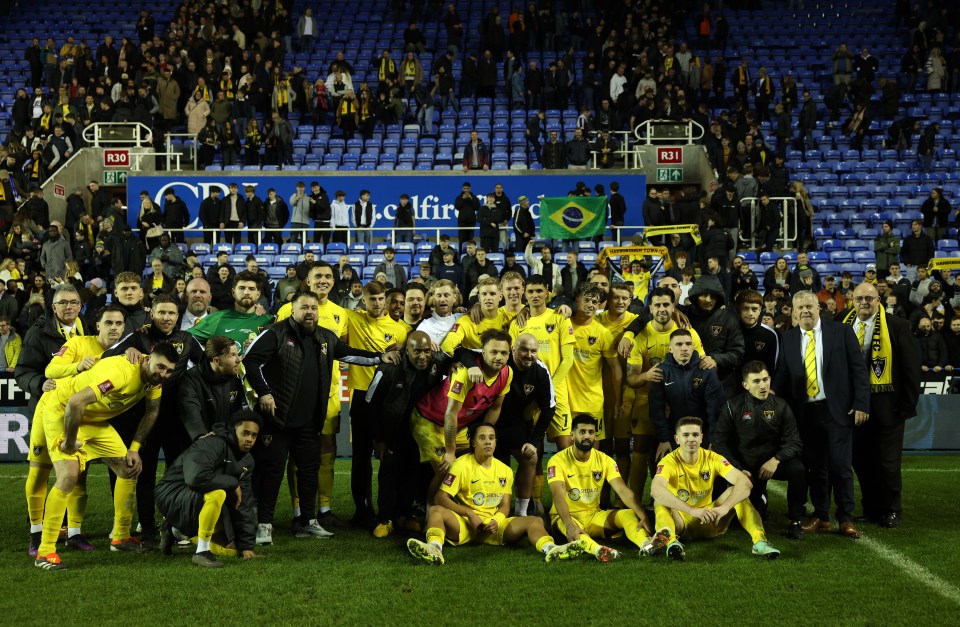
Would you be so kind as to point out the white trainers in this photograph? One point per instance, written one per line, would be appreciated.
(264, 534)
(312, 530)
(425, 551)
(566, 551)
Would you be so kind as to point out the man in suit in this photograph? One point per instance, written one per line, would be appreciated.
(824, 378)
(893, 365)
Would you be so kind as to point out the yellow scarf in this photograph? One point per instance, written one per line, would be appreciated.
(881, 352)
(346, 107)
(45, 120)
(282, 96)
(226, 86)
(387, 66)
(77, 329)
(204, 93)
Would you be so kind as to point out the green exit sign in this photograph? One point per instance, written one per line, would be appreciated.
(114, 177)
(669, 175)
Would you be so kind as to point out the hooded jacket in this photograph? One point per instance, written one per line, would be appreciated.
(750, 431)
(686, 391)
(719, 329)
(211, 463)
(396, 389)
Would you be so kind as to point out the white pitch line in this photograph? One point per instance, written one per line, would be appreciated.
(944, 588)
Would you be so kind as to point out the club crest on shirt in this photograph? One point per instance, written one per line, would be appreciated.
(323, 348)
(759, 345)
(683, 495)
(696, 382)
(705, 475)
(597, 476)
(37, 450)
(591, 341)
(716, 329)
(336, 318)
(178, 346)
(527, 388)
(266, 439)
(550, 328)
(879, 365)
(768, 414)
(503, 481)
(439, 450)
(233, 395)
(433, 370)
(387, 337)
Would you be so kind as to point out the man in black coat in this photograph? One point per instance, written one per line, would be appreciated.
(209, 486)
(176, 216)
(719, 329)
(467, 206)
(572, 275)
(823, 376)
(320, 213)
(916, 249)
(212, 391)
(210, 214)
(878, 444)
(757, 433)
(489, 219)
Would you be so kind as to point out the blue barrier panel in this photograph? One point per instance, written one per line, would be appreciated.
(432, 194)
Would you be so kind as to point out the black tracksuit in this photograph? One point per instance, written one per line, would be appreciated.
(761, 343)
(206, 398)
(750, 432)
(685, 391)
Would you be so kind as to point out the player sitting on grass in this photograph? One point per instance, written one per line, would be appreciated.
(207, 491)
(472, 506)
(576, 476)
(683, 491)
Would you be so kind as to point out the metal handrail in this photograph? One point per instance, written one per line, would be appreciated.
(93, 134)
(789, 206)
(170, 151)
(644, 132)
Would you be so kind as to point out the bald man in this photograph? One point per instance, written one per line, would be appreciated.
(198, 303)
(395, 390)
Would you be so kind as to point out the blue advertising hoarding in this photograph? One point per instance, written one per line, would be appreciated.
(432, 194)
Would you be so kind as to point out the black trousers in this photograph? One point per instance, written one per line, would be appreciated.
(791, 471)
(270, 454)
(397, 478)
(465, 234)
(321, 232)
(168, 435)
(361, 466)
(232, 236)
(828, 457)
(877, 456)
(490, 243)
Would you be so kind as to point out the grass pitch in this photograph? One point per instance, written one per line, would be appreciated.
(908, 575)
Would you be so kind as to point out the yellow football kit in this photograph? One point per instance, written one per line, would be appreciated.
(372, 334)
(593, 345)
(482, 490)
(467, 334)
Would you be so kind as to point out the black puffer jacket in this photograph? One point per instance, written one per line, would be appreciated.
(40, 343)
(750, 431)
(207, 398)
(211, 463)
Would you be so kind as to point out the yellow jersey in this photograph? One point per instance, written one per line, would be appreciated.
(76, 349)
(641, 284)
(582, 480)
(593, 344)
(481, 489)
(330, 316)
(510, 315)
(651, 347)
(552, 331)
(467, 334)
(115, 382)
(615, 327)
(372, 334)
(693, 484)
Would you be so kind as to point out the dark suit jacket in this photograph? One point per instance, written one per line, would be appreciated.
(844, 377)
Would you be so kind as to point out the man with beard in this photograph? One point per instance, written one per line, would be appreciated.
(576, 476)
(211, 392)
(207, 490)
(413, 300)
(242, 323)
(290, 368)
(443, 298)
(893, 365)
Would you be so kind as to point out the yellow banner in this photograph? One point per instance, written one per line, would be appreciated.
(634, 251)
(943, 263)
(692, 229)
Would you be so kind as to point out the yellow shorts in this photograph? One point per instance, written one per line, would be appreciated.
(636, 414)
(429, 438)
(560, 425)
(471, 537)
(596, 415)
(693, 529)
(98, 439)
(331, 425)
(589, 523)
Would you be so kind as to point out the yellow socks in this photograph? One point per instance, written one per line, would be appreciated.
(36, 490)
(325, 480)
(664, 520)
(123, 499)
(52, 520)
(436, 535)
(750, 520)
(210, 513)
(538, 488)
(77, 504)
(544, 541)
(627, 520)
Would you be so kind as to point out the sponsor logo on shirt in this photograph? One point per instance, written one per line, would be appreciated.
(683, 495)
(448, 480)
(574, 494)
(746, 416)
(105, 387)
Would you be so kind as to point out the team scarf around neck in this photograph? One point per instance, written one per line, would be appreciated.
(881, 352)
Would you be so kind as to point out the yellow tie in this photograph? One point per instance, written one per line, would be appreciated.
(810, 365)
(861, 333)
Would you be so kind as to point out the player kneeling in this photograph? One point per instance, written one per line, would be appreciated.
(207, 492)
(472, 506)
(683, 491)
(576, 476)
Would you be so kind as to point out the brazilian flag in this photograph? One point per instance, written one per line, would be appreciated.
(573, 217)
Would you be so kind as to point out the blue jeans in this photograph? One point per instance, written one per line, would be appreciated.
(298, 231)
(364, 236)
(403, 236)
